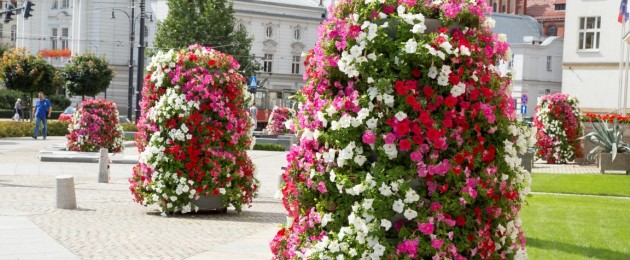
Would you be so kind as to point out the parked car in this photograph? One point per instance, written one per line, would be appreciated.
(67, 114)
(123, 119)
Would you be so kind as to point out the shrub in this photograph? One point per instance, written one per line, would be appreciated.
(194, 132)
(129, 127)
(94, 126)
(559, 128)
(408, 142)
(23, 129)
(610, 118)
(268, 147)
(87, 75)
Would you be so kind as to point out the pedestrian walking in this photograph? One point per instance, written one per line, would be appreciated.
(41, 113)
(18, 110)
(253, 112)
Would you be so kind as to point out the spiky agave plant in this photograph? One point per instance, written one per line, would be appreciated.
(606, 140)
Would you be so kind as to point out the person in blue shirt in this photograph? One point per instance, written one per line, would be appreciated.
(41, 113)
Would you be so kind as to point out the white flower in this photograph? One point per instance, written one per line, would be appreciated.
(489, 22)
(332, 176)
(502, 37)
(360, 159)
(458, 89)
(419, 28)
(326, 218)
(388, 99)
(386, 224)
(433, 72)
(410, 214)
(398, 206)
(371, 123)
(464, 50)
(411, 46)
(385, 190)
(222, 191)
(411, 196)
(390, 150)
(400, 115)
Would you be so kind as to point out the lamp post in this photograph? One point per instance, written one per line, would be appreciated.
(131, 40)
(141, 48)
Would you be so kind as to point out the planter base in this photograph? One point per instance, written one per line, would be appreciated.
(210, 203)
(621, 162)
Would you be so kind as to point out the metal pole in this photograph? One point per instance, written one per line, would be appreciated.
(621, 64)
(132, 30)
(141, 48)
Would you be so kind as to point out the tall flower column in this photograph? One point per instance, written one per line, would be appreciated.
(408, 143)
(558, 120)
(194, 132)
(95, 125)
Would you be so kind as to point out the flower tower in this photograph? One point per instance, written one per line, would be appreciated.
(408, 142)
(95, 125)
(194, 132)
(280, 121)
(558, 120)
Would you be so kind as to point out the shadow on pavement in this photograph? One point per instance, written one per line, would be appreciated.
(231, 216)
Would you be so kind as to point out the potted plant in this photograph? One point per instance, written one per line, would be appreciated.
(613, 154)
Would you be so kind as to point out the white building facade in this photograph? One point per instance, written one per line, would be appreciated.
(536, 71)
(592, 54)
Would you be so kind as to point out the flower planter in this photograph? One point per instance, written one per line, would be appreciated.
(621, 162)
(212, 202)
(527, 160)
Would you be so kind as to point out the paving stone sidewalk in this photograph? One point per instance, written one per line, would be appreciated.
(108, 225)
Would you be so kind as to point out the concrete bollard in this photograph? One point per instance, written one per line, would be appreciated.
(66, 198)
(103, 166)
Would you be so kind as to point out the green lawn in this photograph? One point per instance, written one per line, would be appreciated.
(595, 184)
(577, 227)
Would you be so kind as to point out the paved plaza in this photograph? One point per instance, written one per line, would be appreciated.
(109, 225)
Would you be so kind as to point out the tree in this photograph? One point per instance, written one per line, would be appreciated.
(22, 71)
(209, 23)
(87, 75)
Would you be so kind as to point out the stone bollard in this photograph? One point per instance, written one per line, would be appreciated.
(103, 166)
(65, 192)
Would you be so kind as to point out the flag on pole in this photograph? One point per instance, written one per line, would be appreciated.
(623, 12)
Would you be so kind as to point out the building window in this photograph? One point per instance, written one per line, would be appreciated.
(269, 31)
(1, 30)
(589, 33)
(552, 31)
(267, 62)
(560, 7)
(146, 31)
(548, 63)
(64, 38)
(295, 66)
(297, 34)
(503, 9)
(13, 32)
(65, 3)
(55, 4)
(53, 39)
(494, 7)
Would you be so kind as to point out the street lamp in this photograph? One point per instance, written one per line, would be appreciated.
(131, 40)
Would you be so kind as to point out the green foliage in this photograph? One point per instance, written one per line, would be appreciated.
(27, 73)
(23, 129)
(606, 140)
(209, 23)
(8, 98)
(59, 102)
(268, 147)
(87, 75)
(129, 127)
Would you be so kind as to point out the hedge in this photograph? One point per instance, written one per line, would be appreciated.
(268, 147)
(23, 129)
(5, 113)
(129, 127)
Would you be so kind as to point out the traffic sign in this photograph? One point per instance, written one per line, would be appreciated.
(523, 109)
(524, 98)
(253, 83)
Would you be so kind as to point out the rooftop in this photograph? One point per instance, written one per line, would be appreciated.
(516, 26)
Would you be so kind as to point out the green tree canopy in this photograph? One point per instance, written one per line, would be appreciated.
(87, 75)
(209, 23)
(22, 71)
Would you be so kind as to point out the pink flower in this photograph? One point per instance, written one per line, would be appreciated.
(321, 187)
(390, 138)
(436, 243)
(426, 228)
(410, 247)
(368, 137)
(435, 206)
